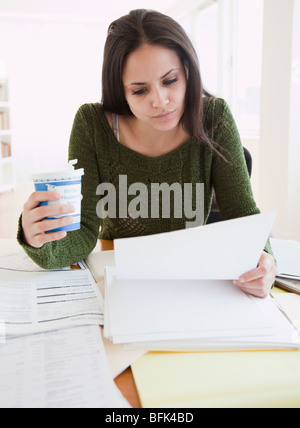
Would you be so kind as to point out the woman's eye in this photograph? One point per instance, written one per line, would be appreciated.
(139, 92)
(142, 91)
(171, 81)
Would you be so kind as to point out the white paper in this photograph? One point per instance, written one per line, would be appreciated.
(59, 369)
(98, 261)
(192, 314)
(287, 254)
(223, 250)
(173, 291)
(290, 304)
(20, 261)
(32, 302)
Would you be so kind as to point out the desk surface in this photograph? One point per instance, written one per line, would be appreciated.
(124, 381)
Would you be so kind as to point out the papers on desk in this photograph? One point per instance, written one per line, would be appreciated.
(32, 302)
(287, 254)
(20, 261)
(161, 296)
(193, 315)
(59, 366)
(261, 379)
(222, 379)
(58, 369)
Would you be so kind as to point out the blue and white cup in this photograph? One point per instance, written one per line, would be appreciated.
(68, 184)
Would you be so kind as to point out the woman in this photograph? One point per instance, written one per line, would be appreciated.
(156, 125)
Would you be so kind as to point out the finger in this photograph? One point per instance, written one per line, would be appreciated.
(257, 289)
(42, 239)
(265, 266)
(37, 197)
(45, 211)
(48, 225)
(251, 278)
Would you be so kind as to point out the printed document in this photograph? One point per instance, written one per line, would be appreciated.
(58, 369)
(32, 302)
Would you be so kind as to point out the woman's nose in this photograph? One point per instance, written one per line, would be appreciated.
(160, 99)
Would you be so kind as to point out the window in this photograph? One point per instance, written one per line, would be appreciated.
(227, 35)
(247, 62)
(206, 44)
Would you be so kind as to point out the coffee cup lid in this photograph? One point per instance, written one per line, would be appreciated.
(69, 171)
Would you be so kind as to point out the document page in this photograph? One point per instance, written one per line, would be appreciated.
(287, 253)
(32, 302)
(19, 261)
(223, 250)
(58, 369)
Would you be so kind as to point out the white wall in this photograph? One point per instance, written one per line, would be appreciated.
(53, 52)
(53, 68)
(279, 149)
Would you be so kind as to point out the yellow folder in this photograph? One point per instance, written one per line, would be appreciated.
(219, 379)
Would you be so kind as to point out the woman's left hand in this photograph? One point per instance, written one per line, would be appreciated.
(259, 281)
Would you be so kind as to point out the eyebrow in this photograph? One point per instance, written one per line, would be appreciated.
(144, 83)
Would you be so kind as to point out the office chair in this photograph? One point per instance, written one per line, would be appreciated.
(214, 215)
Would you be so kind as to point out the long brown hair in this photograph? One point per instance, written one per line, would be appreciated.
(127, 34)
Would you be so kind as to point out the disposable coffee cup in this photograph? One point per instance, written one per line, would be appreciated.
(67, 183)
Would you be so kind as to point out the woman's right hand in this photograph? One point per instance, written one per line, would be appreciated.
(33, 223)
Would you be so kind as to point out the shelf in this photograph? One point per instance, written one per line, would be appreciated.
(7, 161)
(5, 132)
(6, 187)
(3, 161)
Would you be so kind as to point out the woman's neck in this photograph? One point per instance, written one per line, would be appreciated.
(148, 141)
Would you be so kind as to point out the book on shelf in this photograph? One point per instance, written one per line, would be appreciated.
(4, 120)
(5, 149)
(3, 93)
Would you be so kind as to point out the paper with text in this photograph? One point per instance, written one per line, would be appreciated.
(32, 302)
(59, 369)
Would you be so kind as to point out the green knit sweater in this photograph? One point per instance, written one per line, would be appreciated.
(104, 160)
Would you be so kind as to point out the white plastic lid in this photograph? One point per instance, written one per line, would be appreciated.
(69, 171)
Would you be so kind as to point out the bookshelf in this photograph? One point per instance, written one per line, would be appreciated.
(7, 166)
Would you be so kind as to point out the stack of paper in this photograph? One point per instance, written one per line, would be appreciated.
(287, 253)
(162, 295)
(222, 379)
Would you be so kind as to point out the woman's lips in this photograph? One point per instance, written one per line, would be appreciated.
(164, 115)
